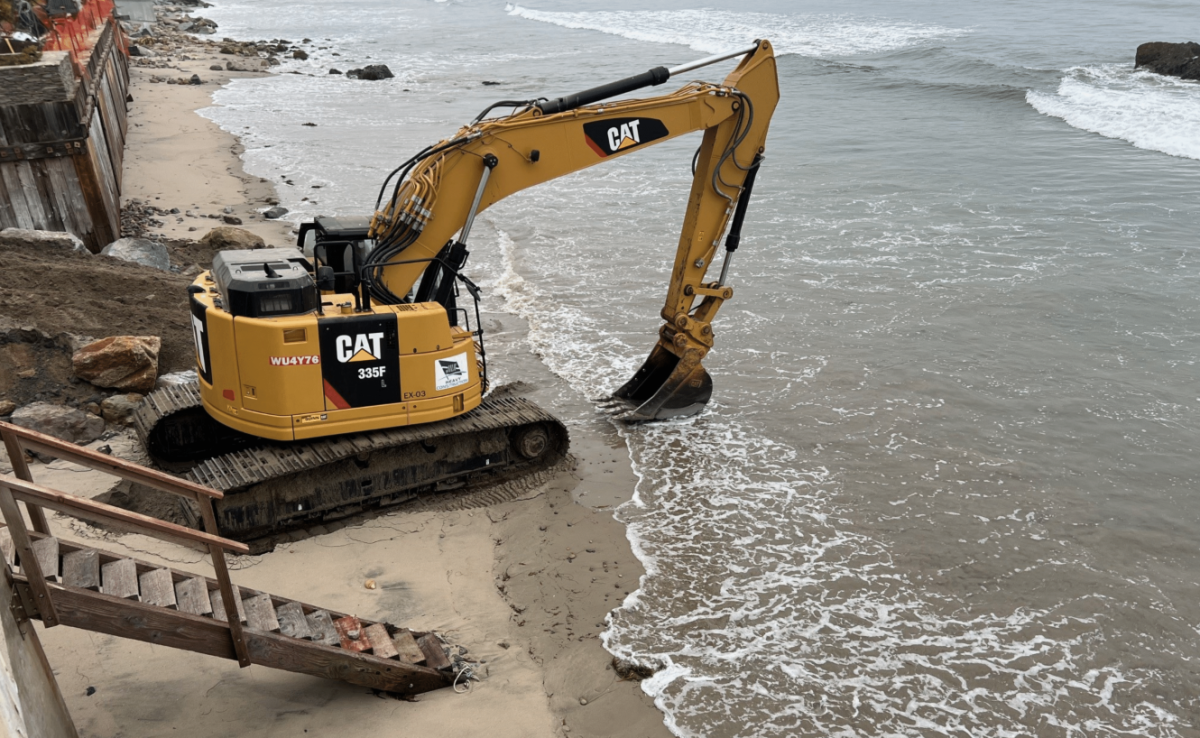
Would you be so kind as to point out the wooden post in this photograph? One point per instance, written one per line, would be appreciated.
(16, 455)
(29, 562)
(228, 594)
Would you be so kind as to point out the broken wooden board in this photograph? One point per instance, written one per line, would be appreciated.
(431, 646)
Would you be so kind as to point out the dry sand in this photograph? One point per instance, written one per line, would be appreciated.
(525, 584)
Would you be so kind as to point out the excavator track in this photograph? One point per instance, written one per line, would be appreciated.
(272, 488)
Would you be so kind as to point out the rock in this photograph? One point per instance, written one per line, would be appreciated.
(630, 670)
(62, 422)
(120, 408)
(135, 50)
(195, 80)
(247, 65)
(7, 407)
(174, 379)
(140, 251)
(309, 124)
(275, 212)
(216, 68)
(127, 363)
(300, 54)
(232, 219)
(1175, 60)
(186, 26)
(490, 83)
(41, 240)
(371, 72)
(232, 238)
(335, 71)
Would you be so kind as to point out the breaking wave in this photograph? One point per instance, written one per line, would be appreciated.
(717, 31)
(1148, 110)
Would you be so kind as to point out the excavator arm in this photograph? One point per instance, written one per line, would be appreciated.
(439, 192)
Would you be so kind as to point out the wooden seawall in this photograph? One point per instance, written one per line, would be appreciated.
(62, 140)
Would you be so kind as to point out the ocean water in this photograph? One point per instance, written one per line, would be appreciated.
(947, 485)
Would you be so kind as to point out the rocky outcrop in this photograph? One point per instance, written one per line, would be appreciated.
(42, 240)
(128, 363)
(1175, 60)
(227, 237)
(62, 422)
(140, 251)
(371, 72)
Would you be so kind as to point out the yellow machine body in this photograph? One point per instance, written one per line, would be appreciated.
(270, 378)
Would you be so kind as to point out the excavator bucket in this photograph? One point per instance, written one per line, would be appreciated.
(667, 386)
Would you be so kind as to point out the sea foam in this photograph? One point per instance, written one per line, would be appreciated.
(1148, 110)
(716, 31)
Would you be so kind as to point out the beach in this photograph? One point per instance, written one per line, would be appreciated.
(525, 585)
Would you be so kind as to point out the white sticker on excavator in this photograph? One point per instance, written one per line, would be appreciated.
(451, 372)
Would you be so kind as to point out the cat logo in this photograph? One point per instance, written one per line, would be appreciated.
(360, 347)
(607, 137)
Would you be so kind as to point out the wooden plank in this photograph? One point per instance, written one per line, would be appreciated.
(157, 588)
(16, 457)
(7, 548)
(33, 571)
(350, 634)
(322, 628)
(228, 593)
(191, 596)
(119, 579)
(381, 642)
(218, 605)
(280, 652)
(33, 197)
(67, 451)
(407, 648)
(82, 569)
(139, 621)
(292, 622)
(16, 195)
(98, 512)
(260, 614)
(46, 551)
(431, 646)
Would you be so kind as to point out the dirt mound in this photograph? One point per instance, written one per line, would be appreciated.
(99, 297)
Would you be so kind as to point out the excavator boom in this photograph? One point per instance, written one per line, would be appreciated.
(415, 226)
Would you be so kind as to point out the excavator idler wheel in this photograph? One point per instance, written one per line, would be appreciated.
(531, 443)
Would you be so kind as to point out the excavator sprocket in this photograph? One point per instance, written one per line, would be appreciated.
(271, 488)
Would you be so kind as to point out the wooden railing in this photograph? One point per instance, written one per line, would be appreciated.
(18, 440)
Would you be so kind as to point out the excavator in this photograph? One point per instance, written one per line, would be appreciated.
(350, 373)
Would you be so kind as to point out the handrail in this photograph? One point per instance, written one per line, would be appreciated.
(34, 441)
(17, 440)
(98, 512)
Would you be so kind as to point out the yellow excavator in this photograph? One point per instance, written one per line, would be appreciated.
(346, 373)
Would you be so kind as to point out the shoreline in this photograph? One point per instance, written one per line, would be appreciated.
(525, 584)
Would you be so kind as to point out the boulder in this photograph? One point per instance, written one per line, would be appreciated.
(231, 219)
(1171, 59)
(59, 421)
(7, 407)
(41, 240)
(371, 72)
(140, 251)
(226, 237)
(335, 71)
(300, 54)
(120, 408)
(275, 212)
(127, 363)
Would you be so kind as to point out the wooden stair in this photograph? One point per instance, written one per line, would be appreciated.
(60, 582)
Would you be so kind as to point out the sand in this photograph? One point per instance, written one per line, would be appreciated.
(525, 585)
